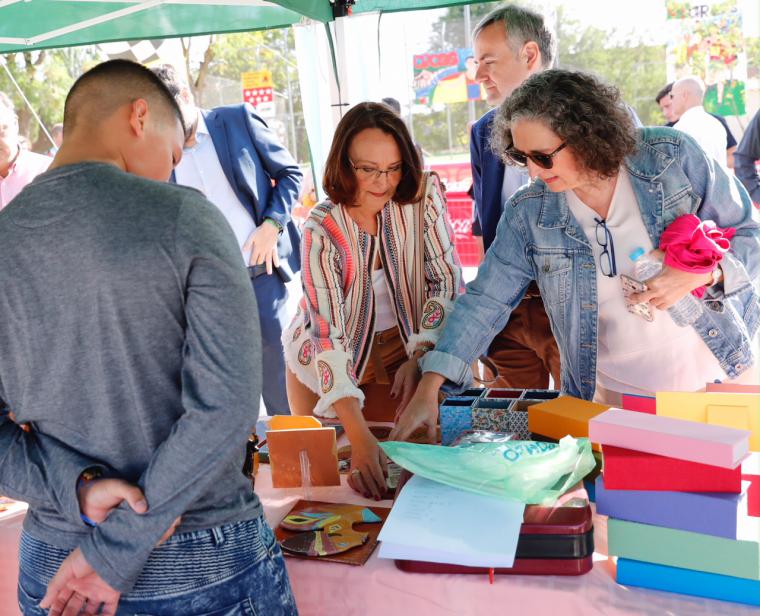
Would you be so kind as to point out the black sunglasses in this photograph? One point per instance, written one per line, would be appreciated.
(607, 258)
(545, 161)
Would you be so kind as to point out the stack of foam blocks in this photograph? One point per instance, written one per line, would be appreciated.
(679, 514)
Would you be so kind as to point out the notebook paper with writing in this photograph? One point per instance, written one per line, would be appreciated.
(434, 522)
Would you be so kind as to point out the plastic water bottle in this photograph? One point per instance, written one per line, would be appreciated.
(645, 266)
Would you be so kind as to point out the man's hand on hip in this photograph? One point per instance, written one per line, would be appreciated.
(263, 245)
(77, 589)
(99, 497)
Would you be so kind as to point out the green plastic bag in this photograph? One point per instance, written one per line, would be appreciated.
(532, 472)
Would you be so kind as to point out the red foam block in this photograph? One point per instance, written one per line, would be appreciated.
(626, 469)
(753, 495)
(642, 404)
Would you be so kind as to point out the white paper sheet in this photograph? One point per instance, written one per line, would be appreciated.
(433, 522)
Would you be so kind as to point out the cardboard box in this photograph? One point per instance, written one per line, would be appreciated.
(683, 549)
(287, 437)
(732, 388)
(675, 438)
(734, 410)
(709, 513)
(562, 416)
(627, 469)
(687, 582)
(642, 404)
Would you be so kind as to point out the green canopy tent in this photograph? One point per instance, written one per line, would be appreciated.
(37, 24)
(326, 31)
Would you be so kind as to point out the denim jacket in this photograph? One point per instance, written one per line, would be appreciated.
(539, 239)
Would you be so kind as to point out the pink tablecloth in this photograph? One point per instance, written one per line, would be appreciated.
(10, 529)
(379, 589)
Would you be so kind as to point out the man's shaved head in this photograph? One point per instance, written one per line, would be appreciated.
(687, 93)
(121, 113)
(105, 88)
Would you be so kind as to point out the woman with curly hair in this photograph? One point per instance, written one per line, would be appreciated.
(380, 276)
(601, 190)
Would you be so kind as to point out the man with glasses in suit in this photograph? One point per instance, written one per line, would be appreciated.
(511, 43)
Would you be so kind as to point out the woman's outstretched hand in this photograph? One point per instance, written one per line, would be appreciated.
(422, 410)
(404, 384)
(369, 467)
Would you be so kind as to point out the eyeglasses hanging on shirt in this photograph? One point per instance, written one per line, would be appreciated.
(604, 239)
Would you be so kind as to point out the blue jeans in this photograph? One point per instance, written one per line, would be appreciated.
(232, 570)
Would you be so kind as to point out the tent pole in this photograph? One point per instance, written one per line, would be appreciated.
(26, 100)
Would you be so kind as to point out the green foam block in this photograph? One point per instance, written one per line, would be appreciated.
(684, 549)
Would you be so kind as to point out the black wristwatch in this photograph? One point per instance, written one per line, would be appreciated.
(275, 223)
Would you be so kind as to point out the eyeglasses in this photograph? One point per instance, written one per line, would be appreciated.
(545, 161)
(607, 258)
(373, 173)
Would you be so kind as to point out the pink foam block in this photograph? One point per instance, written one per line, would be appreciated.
(733, 388)
(675, 438)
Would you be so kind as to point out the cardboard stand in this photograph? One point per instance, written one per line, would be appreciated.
(302, 453)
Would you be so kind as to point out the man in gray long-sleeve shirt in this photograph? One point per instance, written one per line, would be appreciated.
(745, 156)
(129, 335)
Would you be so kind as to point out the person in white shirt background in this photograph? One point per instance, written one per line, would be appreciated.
(686, 101)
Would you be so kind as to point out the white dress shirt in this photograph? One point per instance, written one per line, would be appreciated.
(707, 131)
(514, 178)
(385, 314)
(200, 168)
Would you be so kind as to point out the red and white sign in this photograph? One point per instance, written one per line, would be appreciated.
(258, 91)
(256, 96)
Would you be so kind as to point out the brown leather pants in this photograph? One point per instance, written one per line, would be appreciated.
(525, 352)
(386, 356)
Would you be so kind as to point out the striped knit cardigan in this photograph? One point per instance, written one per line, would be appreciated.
(327, 344)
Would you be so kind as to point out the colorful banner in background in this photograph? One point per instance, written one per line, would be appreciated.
(446, 77)
(707, 41)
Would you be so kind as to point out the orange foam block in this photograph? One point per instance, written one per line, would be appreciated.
(562, 416)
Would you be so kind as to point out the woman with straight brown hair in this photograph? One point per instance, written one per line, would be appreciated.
(380, 276)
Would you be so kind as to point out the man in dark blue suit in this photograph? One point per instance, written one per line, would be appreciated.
(236, 160)
(511, 44)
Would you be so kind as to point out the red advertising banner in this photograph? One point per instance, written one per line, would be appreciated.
(457, 178)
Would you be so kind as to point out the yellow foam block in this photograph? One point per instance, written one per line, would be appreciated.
(562, 416)
(729, 415)
(733, 410)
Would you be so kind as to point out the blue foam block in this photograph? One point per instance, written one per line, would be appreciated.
(708, 513)
(688, 582)
(590, 486)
